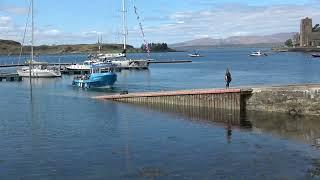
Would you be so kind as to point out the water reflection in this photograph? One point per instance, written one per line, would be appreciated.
(229, 119)
(298, 128)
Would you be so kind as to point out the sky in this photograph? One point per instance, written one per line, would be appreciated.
(170, 21)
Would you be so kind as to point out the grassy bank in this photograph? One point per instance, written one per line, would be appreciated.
(8, 47)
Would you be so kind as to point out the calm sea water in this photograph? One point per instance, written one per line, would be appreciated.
(59, 132)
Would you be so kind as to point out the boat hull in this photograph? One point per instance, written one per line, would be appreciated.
(96, 80)
(194, 55)
(316, 55)
(79, 67)
(39, 73)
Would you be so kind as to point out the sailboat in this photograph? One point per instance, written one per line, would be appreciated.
(37, 69)
(128, 63)
(105, 56)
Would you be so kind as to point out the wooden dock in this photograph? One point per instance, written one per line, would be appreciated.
(231, 99)
(10, 77)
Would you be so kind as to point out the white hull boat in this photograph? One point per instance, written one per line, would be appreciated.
(37, 69)
(85, 66)
(194, 55)
(110, 55)
(258, 53)
(38, 73)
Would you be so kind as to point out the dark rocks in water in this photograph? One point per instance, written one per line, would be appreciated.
(315, 171)
(149, 172)
(124, 92)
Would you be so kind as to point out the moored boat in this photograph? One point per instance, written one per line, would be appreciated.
(85, 66)
(105, 56)
(39, 71)
(96, 78)
(316, 55)
(131, 63)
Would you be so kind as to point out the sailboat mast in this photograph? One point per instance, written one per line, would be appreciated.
(124, 25)
(32, 37)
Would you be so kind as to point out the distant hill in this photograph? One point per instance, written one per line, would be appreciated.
(8, 47)
(271, 40)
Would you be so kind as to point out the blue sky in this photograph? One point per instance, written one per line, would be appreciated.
(171, 21)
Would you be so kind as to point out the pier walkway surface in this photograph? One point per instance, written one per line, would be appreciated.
(292, 99)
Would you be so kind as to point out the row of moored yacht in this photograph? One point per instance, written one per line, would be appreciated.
(119, 61)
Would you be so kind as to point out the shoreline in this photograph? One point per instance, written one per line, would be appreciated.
(297, 49)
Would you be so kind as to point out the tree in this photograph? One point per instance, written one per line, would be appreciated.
(316, 28)
(156, 47)
(289, 43)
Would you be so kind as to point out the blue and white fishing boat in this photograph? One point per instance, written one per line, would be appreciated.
(96, 78)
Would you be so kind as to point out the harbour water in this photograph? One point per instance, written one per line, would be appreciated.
(59, 132)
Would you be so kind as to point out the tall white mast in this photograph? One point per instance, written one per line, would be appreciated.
(32, 38)
(124, 11)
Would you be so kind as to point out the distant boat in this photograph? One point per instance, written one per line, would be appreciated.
(316, 55)
(258, 53)
(96, 78)
(196, 54)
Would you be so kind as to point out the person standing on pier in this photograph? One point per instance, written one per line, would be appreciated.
(227, 78)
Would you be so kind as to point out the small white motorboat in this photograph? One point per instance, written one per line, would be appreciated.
(258, 53)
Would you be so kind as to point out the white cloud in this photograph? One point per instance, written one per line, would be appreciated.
(14, 10)
(234, 19)
(52, 32)
(216, 21)
(5, 20)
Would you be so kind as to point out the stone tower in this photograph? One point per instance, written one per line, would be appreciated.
(305, 32)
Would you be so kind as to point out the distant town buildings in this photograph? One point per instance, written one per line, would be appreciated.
(309, 35)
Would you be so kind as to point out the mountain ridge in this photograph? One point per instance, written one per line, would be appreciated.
(273, 39)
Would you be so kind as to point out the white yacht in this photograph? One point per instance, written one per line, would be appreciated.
(110, 55)
(39, 70)
(85, 66)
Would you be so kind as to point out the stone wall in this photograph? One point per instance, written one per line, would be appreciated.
(304, 99)
(305, 32)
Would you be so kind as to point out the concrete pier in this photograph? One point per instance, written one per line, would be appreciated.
(229, 99)
(289, 99)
